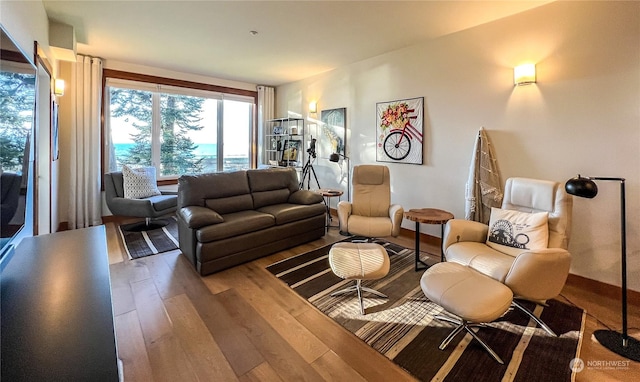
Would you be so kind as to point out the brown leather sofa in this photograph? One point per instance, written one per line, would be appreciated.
(229, 218)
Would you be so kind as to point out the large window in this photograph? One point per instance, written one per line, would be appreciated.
(177, 130)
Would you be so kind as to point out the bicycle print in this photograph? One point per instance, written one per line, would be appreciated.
(399, 131)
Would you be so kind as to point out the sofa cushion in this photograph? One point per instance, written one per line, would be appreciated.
(230, 204)
(235, 224)
(267, 198)
(286, 213)
(273, 179)
(305, 197)
(482, 258)
(512, 231)
(272, 186)
(195, 190)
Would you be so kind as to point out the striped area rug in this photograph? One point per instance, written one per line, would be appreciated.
(147, 243)
(404, 329)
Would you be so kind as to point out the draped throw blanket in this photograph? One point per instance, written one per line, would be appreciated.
(484, 187)
(85, 207)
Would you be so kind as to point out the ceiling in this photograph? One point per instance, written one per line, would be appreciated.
(294, 40)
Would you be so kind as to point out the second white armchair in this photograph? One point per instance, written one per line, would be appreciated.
(370, 213)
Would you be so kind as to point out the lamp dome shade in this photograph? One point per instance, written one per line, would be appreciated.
(335, 157)
(583, 187)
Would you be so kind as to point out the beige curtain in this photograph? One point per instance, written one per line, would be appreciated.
(85, 206)
(266, 111)
(484, 187)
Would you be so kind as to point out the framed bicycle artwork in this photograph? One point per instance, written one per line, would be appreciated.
(399, 128)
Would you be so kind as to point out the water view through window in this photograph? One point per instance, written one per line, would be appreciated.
(178, 133)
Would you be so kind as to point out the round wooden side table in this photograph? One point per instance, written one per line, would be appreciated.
(327, 194)
(428, 216)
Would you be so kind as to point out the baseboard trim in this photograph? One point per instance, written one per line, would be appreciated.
(603, 289)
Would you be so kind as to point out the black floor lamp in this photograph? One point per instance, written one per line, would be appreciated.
(335, 157)
(619, 343)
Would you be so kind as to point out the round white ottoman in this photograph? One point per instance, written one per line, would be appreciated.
(359, 261)
(468, 294)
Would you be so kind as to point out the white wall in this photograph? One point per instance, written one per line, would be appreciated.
(26, 22)
(583, 115)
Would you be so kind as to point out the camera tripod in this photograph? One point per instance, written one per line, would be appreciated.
(307, 170)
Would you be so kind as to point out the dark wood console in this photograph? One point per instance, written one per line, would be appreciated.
(57, 318)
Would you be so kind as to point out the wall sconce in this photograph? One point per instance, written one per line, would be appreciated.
(524, 74)
(58, 87)
(313, 107)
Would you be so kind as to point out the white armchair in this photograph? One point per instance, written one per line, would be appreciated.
(534, 275)
(371, 213)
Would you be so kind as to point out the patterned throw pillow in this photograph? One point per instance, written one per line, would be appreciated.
(139, 182)
(513, 232)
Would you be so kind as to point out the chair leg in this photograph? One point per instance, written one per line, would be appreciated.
(372, 291)
(450, 337)
(359, 289)
(484, 345)
(533, 316)
(350, 289)
(464, 325)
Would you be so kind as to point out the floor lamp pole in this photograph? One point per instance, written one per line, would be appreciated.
(619, 343)
(623, 260)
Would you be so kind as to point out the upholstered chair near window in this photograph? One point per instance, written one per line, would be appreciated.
(370, 213)
(525, 244)
(133, 192)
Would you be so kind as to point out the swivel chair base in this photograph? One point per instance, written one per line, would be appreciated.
(359, 289)
(146, 225)
(529, 313)
(465, 325)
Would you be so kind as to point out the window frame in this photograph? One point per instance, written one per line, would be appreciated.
(155, 81)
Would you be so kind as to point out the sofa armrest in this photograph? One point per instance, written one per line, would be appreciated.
(344, 211)
(197, 216)
(457, 230)
(396, 213)
(539, 275)
(305, 197)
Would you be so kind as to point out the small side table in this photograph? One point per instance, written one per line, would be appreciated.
(329, 193)
(427, 216)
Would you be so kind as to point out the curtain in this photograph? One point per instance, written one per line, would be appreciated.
(484, 187)
(85, 200)
(266, 111)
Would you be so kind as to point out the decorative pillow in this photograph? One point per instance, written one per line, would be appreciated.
(511, 232)
(139, 182)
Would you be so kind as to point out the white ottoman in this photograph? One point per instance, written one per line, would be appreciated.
(359, 261)
(468, 294)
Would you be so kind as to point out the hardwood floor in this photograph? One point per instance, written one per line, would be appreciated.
(243, 324)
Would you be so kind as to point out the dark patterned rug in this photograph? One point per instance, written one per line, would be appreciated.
(404, 329)
(139, 244)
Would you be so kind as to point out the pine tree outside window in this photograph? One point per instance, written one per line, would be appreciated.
(177, 130)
